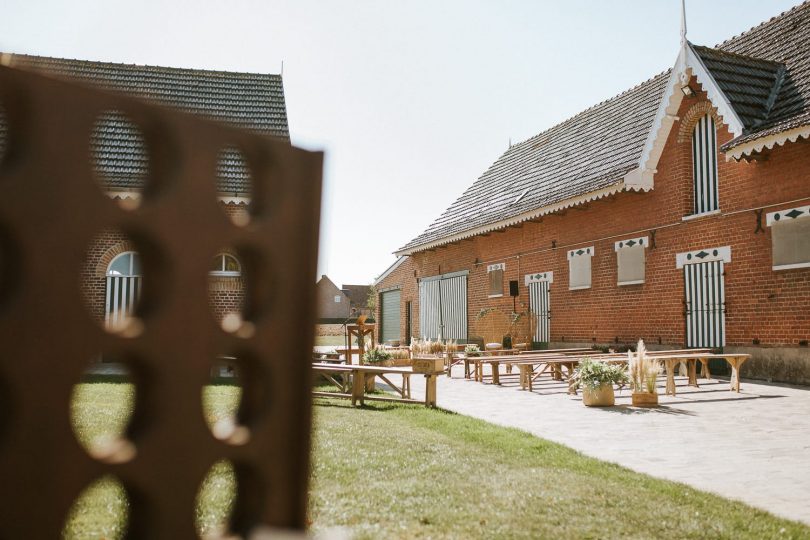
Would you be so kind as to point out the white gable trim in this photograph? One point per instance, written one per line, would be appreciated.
(703, 255)
(687, 64)
(390, 269)
(757, 145)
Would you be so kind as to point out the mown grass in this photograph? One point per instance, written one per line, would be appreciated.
(392, 471)
(330, 341)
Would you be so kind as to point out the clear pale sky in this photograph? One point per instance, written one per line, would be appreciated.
(411, 100)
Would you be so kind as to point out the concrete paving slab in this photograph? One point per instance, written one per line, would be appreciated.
(753, 446)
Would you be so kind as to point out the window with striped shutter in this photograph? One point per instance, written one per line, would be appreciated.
(704, 165)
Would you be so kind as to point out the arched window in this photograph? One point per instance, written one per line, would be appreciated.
(225, 265)
(704, 166)
(123, 288)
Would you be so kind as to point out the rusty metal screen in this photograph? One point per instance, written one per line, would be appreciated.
(50, 210)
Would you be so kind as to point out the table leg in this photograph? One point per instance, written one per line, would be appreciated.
(358, 388)
(736, 364)
(705, 373)
(496, 372)
(430, 390)
(670, 365)
(406, 385)
(691, 367)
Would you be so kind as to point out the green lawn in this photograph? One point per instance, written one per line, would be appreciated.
(330, 341)
(388, 471)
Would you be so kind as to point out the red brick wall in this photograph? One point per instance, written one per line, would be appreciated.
(226, 294)
(762, 304)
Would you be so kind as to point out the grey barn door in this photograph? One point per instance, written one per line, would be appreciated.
(705, 304)
(443, 307)
(390, 308)
(540, 306)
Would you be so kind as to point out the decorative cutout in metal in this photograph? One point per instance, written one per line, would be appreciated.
(50, 210)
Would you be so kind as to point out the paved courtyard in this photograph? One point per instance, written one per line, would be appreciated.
(753, 446)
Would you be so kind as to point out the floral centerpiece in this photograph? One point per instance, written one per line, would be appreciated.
(596, 379)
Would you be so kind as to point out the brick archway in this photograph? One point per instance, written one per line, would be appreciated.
(695, 113)
(105, 260)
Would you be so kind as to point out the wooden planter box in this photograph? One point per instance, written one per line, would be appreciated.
(645, 399)
(428, 365)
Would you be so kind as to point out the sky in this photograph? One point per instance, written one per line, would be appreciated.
(412, 100)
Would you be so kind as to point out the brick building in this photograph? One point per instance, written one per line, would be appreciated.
(677, 211)
(111, 280)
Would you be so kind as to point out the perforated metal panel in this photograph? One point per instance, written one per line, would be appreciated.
(50, 211)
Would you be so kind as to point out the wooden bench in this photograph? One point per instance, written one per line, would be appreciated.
(528, 356)
(356, 378)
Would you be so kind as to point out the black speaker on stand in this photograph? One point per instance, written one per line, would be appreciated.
(514, 292)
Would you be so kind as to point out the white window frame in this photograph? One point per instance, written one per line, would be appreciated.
(641, 242)
(337, 299)
(706, 171)
(226, 273)
(576, 255)
(494, 268)
(131, 273)
(786, 216)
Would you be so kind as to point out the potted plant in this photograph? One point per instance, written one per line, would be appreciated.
(472, 350)
(644, 372)
(597, 380)
(377, 356)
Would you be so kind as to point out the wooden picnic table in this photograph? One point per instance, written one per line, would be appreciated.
(496, 361)
(670, 359)
(357, 377)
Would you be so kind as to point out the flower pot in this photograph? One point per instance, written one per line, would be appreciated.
(645, 399)
(601, 396)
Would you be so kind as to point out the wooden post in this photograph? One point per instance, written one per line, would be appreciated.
(430, 389)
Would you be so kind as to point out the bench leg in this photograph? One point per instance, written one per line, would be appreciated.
(496, 374)
(670, 378)
(704, 372)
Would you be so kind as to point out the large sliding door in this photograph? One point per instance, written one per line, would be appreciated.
(443, 307)
(390, 315)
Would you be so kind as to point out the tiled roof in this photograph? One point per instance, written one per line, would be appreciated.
(750, 84)
(358, 294)
(250, 101)
(591, 151)
(765, 73)
(783, 39)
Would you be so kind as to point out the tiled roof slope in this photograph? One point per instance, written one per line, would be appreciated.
(594, 150)
(250, 101)
(750, 84)
(591, 151)
(358, 294)
(784, 39)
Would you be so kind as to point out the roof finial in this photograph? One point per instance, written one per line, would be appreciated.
(683, 22)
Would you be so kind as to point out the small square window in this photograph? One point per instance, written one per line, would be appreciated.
(579, 268)
(630, 260)
(337, 298)
(791, 243)
(495, 275)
